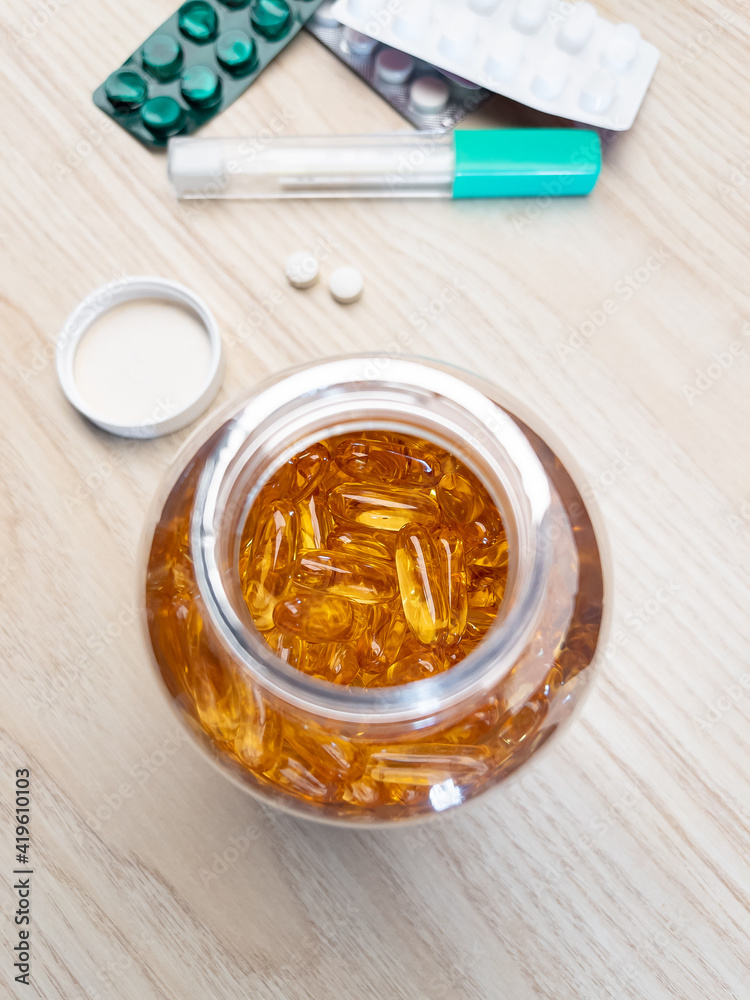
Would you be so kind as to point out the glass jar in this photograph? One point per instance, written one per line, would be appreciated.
(373, 755)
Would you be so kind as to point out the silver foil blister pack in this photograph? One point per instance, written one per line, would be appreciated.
(423, 83)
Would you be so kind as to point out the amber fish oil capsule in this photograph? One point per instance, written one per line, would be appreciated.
(373, 559)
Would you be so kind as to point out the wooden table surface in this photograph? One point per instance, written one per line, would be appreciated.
(619, 866)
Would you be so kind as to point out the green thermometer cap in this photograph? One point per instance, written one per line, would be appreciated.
(522, 163)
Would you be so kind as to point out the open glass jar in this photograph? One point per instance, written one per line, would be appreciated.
(348, 753)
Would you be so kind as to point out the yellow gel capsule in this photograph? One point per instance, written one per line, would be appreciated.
(364, 793)
(292, 774)
(217, 698)
(328, 757)
(493, 556)
(523, 724)
(362, 543)
(259, 735)
(428, 764)
(319, 618)
(343, 665)
(387, 462)
(335, 662)
(478, 622)
(262, 590)
(415, 667)
(387, 508)
(381, 640)
(487, 589)
(458, 498)
(308, 468)
(420, 579)
(289, 648)
(315, 523)
(339, 573)
(485, 531)
(453, 580)
(276, 488)
(275, 543)
(476, 727)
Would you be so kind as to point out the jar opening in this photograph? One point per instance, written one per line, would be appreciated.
(340, 397)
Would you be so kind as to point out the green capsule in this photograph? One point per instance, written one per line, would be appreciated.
(163, 116)
(125, 90)
(237, 52)
(271, 18)
(162, 57)
(201, 87)
(198, 21)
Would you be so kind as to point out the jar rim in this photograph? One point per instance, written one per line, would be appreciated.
(304, 404)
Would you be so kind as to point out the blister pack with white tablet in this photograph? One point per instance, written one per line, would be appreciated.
(424, 95)
(552, 55)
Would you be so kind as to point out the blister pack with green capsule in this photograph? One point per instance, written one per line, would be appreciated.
(199, 61)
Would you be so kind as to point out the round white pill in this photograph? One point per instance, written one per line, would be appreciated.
(302, 269)
(621, 49)
(598, 93)
(458, 37)
(347, 284)
(393, 66)
(413, 22)
(429, 95)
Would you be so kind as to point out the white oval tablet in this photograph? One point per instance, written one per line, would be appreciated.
(346, 284)
(302, 269)
(429, 95)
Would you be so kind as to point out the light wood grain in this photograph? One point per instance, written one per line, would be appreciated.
(618, 867)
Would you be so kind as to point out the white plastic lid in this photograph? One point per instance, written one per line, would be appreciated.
(167, 415)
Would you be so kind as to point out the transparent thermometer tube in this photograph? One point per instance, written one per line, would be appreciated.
(464, 164)
(414, 164)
